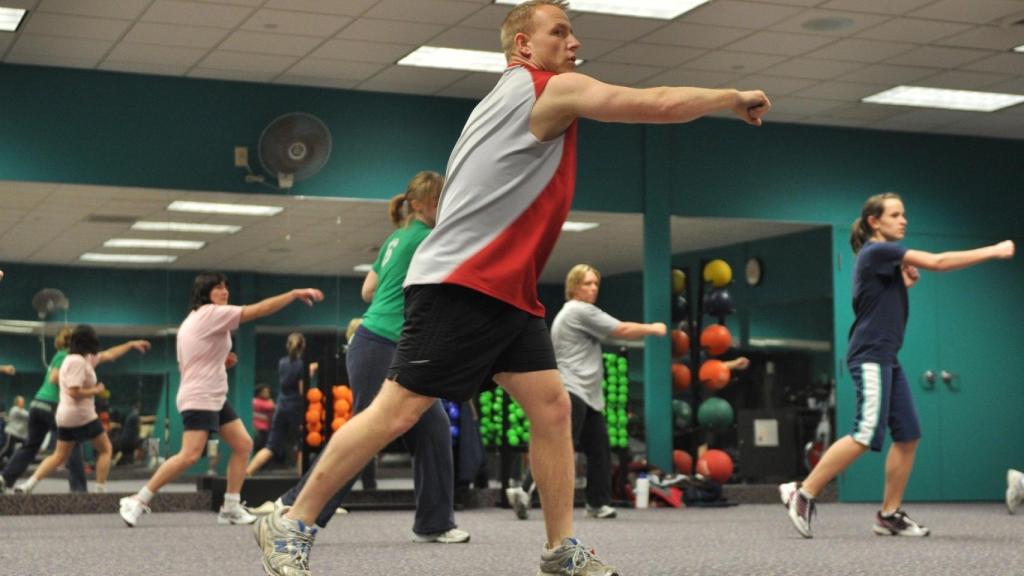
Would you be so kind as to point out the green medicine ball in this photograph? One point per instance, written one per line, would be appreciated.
(715, 413)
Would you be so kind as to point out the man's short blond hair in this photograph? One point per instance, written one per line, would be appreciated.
(575, 277)
(520, 19)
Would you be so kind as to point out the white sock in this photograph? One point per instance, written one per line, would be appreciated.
(232, 500)
(30, 483)
(144, 495)
(99, 488)
(805, 494)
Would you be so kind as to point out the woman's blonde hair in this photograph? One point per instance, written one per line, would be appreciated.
(575, 277)
(520, 19)
(63, 338)
(424, 187)
(296, 344)
(861, 231)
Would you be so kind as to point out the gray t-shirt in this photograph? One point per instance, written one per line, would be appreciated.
(17, 423)
(577, 333)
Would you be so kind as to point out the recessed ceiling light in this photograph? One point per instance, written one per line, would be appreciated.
(570, 226)
(128, 258)
(154, 243)
(944, 98)
(830, 24)
(660, 9)
(153, 226)
(221, 208)
(458, 59)
(11, 18)
(362, 268)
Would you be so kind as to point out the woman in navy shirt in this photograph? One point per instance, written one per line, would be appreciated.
(885, 270)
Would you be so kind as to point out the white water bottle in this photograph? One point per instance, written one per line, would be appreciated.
(643, 490)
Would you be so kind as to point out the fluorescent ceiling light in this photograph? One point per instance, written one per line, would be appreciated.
(153, 226)
(15, 329)
(570, 226)
(128, 258)
(661, 9)
(362, 268)
(944, 98)
(220, 208)
(154, 243)
(10, 18)
(1019, 48)
(458, 59)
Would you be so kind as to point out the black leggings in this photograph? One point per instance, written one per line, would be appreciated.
(41, 420)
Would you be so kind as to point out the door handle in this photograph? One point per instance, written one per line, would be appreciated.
(928, 380)
(949, 378)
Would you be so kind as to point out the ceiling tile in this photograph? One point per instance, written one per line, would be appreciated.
(174, 35)
(652, 55)
(773, 85)
(5, 42)
(75, 26)
(297, 23)
(938, 57)
(963, 80)
(468, 39)
(316, 82)
(361, 51)
(196, 13)
(613, 27)
(802, 106)
(888, 74)
(623, 74)
(594, 48)
(866, 112)
(975, 11)
(846, 23)
(1009, 63)
(1015, 85)
(474, 86)
(738, 62)
(241, 61)
(59, 47)
(847, 91)
(894, 7)
(695, 35)
(409, 79)
(434, 11)
(155, 54)
(860, 50)
(690, 77)
(489, 17)
(338, 69)
(267, 43)
(740, 14)
(346, 8)
(390, 31)
(126, 9)
(805, 3)
(913, 30)
(812, 68)
(786, 44)
(988, 37)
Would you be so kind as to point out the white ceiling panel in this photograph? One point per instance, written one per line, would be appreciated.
(267, 43)
(154, 54)
(75, 26)
(225, 60)
(1014, 85)
(338, 69)
(913, 30)
(397, 78)
(124, 9)
(741, 14)
(58, 47)
(813, 68)
(939, 57)
(594, 48)
(652, 55)
(474, 86)
(988, 38)
(297, 23)
(774, 85)
(861, 50)
(1009, 63)
(785, 44)
(612, 27)
(391, 31)
(690, 77)
(362, 51)
(696, 36)
(433, 11)
(892, 7)
(196, 13)
(974, 11)
(489, 18)
(739, 62)
(175, 35)
(888, 74)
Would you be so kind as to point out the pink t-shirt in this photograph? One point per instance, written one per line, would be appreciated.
(77, 371)
(204, 341)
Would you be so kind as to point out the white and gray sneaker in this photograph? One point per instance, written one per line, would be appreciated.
(800, 508)
(519, 499)
(131, 509)
(786, 492)
(898, 524)
(572, 558)
(23, 488)
(604, 511)
(1014, 489)
(453, 536)
(236, 514)
(285, 544)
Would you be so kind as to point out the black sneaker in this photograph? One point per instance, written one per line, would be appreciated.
(799, 507)
(898, 524)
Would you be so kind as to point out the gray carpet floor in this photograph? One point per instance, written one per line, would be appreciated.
(747, 539)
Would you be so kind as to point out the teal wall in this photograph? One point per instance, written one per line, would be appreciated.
(89, 127)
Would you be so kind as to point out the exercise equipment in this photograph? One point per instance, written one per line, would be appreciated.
(678, 282)
(715, 413)
(681, 377)
(715, 464)
(716, 339)
(718, 303)
(714, 374)
(680, 343)
(682, 461)
(718, 273)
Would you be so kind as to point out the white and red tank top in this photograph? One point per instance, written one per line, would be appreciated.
(505, 198)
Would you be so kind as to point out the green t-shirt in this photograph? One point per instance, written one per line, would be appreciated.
(50, 392)
(387, 311)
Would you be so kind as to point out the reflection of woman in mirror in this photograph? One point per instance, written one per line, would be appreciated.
(15, 431)
(262, 414)
(286, 425)
(885, 270)
(76, 417)
(369, 355)
(42, 409)
(204, 354)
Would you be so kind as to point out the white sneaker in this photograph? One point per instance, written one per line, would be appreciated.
(786, 492)
(1014, 489)
(131, 509)
(453, 536)
(234, 515)
(604, 511)
(519, 500)
(23, 488)
(263, 509)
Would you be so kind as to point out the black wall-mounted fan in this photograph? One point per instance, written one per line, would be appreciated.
(49, 300)
(294, 147)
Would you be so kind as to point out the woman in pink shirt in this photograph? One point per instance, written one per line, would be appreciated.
(76, 416)
(262, 413)
(204, 354)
